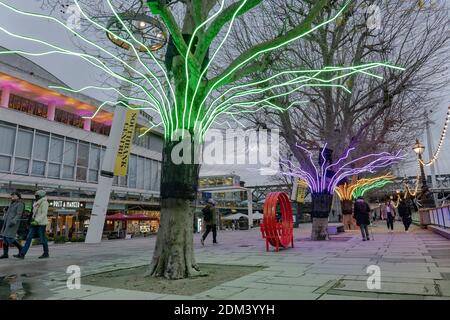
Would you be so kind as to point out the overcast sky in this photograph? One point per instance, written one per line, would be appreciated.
(77, 74)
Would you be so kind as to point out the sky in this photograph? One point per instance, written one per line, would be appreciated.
(77, 74)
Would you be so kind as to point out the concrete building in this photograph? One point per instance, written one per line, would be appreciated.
(46, 142)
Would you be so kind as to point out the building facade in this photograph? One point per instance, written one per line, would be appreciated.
(48, 141)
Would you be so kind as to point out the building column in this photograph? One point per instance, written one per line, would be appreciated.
(51, 109)
(87, 124)
(5, 97)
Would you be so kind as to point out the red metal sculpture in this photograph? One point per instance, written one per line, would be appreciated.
(277, 233)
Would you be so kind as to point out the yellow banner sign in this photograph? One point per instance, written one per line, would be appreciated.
(302, 186)
(123, 153)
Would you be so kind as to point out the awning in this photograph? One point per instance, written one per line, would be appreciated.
(117, 217)
(140, 217)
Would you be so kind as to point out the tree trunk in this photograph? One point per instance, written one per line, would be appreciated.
(173, 257)
(321, 206)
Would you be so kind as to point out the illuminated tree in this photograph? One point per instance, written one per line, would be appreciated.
(188, 91)
(324, 180)
(357, 188)
(377, 113)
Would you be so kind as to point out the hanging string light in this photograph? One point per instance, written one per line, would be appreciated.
(441, 141)
(416, 188)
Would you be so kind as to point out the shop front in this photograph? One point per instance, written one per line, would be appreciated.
(133, 224)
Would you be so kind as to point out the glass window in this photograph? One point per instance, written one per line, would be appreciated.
(70, 151)
(40, 150)
(38, 168)
(68, 118)
(7, 137)
(123, 181)
(132, 171)
(81, 174)
(28, 106)
(56, 150)
(115, 180)
(93, 175)
(21, 166)
(156, 143)
(83, 155)
(24, 143)
(94, 157)
(140, 173)
(68, 172)
(147, 174)
(5, 163)
(54, 170)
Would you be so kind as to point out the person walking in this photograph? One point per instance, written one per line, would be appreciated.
(38, 225)
(11, 222)
(210, 217)
(361, 213)
(347, 207)
(404, 211)
(388, 214)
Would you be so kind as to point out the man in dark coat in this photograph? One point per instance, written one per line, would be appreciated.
(361, 213)
(11, 222)
(210, 218)
(404, 211)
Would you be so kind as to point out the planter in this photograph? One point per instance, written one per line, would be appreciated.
(321, 205)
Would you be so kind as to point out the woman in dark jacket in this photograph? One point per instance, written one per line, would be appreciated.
(404, 211)
(11, 222)
(361, 213)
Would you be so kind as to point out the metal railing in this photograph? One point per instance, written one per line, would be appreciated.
(439, 216)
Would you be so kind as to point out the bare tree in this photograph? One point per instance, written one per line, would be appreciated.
(373, 113)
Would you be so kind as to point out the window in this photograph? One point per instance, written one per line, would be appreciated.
(154, 175)
(7, 137)
(24, 145)
(132, 171)
(94, 163)
(68, 118)
(54, 170)
(140, 173)
(147, 174)
(55, 156)
(40, 154)
(82, 161)
(40, 150)
(156, 143)
(38, 168)
(70, 151)
(21, 166)
(28, 106)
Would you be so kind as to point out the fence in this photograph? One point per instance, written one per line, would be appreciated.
(436, 216)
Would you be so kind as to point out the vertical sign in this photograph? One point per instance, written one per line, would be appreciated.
(126, 139)
(302, 186)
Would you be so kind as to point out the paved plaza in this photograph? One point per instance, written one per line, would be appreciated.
(413, 265)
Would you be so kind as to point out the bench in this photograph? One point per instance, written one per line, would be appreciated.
(335, 228)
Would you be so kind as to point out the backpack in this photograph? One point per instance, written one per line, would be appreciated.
(207, 213)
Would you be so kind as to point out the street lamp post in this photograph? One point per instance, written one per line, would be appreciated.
(426, 197)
